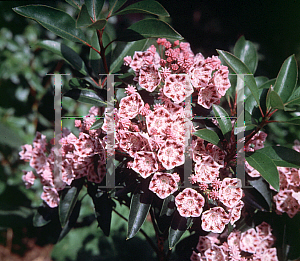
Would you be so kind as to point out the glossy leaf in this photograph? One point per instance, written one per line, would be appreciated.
(178, 226)
(240, 68)
(97, 124)
(54, 20)
(168, 206)
(295, 98)
(287, 78)
(94, 8)
(68, 200)
(265, 166)
(260, 80)
(223, 120)
(86, 96)
(71, 221)
(255, 199)
(139, 209)
(129, 49)
(146, 6)
(208, 135)
(282, 156)
(66, 53)
(262, 187)
(43, 215)
(99, 24)
(246, 52)
(115, 5)
(274, 101)
(149, 28)
(267, 84)
(74, 3)
(83, 18)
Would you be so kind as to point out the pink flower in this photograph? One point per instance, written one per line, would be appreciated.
(203, 244)
(235, 212)
(26, 152)
(249, 241)
(127, 60)
(221, 81)
(39, 161)
(84, 146)
(252, 172)
(50, 196)
(163, 184)
(207, 170)
(130, 106)
(296, 147)
(267, 255)
(177, 87)
(189, 203)
(200, 74)
(145, 163)
(234, 239)
(198, 148)
(285, 202)
(171, 154)
(40, 142)
(28, 178)
(214, 220)
(158, 121)
(230, 192)
(256, 142)
(149, 78)
(208, 96)
(215, 253)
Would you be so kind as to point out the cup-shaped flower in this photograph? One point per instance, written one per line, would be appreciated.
(230, 192)
(163, 184)
(189, 203)
(214, 220)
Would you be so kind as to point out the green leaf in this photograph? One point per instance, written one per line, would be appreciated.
(246, 52)
(54, 20)
(97, 124)
(148, 28)
(294, 121)
(295, 98)
(223, 120)
(10, 137)
(178, 226)
(71, 221)
(240, 68)
(287, 78)
(74, 3)
(99, 24)
(208, 135)
(282, 156)
(260, 80)
(147, 7)
(94, 8)
(255, 199)
(68, 200)
(68, 54)
(83, 18)
(115, 5)
(168, 206)
(265, 166)
(267, 84)
(129, 49)
(86, 96)
(139, 209)
(274, 101)
(43, 215)
(261, 186)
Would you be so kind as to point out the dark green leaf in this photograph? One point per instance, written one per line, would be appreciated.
(115, 5)
(267, 84)
(246, 52)
(147, 6)
(254, 199)
(139, 209)
(74, 3)
(287, 78)
(294, 121)
(168, 206)
(10, 137)
(260, 80)
(43, 215)
(240, 68)
(97, 124)
(149, 28)
(223, 120)
(68, 200)
(208, 135)
(83, 18)
(54, 20)
(99, 24)
(86, 96)
(261, 186)
(129, 49)
(66, 53)
(274, 101)
(94, 8)
(178, 226)
(282, 156)
(71, 221)
(265, 166)
(295, 98)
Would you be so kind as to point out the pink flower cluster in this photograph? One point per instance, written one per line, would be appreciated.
(255, 244)
(287, 200)
(78, 159)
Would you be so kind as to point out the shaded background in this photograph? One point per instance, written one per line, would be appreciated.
(26, 106)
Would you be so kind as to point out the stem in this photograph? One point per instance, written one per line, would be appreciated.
(143, 232)
(102, 50)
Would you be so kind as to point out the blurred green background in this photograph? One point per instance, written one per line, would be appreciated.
(26, 106)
